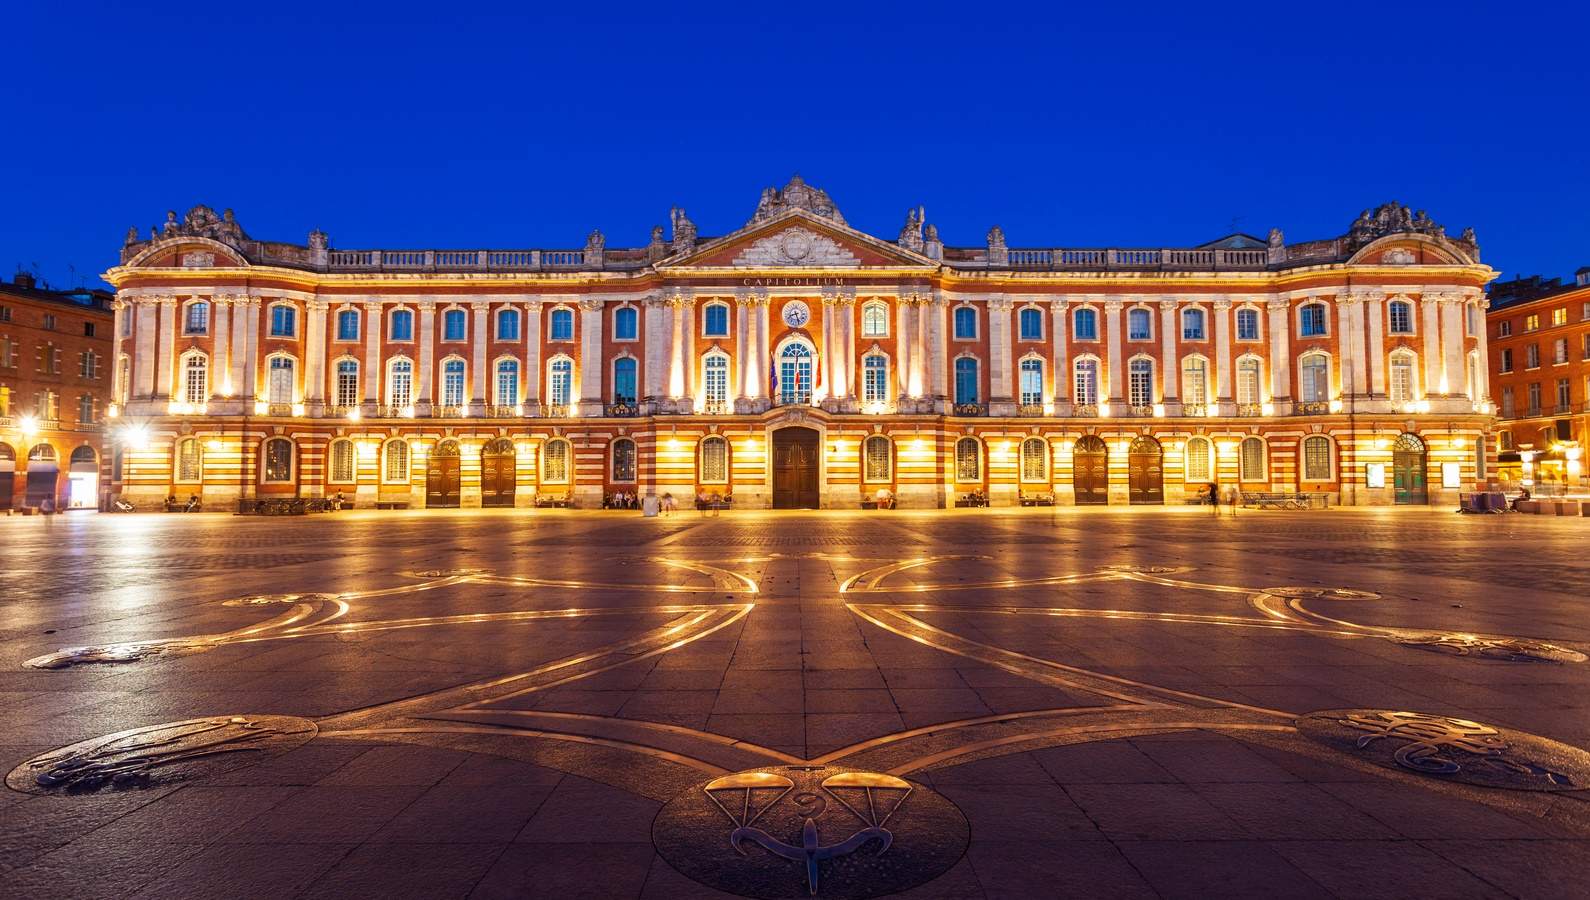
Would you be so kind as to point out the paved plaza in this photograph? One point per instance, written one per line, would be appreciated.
(971, 703)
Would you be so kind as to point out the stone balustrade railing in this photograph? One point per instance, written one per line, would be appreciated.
(453, 260)
(1109, 259)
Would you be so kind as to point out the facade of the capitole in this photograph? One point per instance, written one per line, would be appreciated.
(800, 362)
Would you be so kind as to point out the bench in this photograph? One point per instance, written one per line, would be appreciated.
(384, 504)
(1036, 498)
(875, 503)
(1279, 500)
(561, 501)
(972, 500)
(716, 503)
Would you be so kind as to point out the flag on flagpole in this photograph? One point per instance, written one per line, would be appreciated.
(772, 379)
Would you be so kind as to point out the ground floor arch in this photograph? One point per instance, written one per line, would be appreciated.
(442, 483)
(498, 473)
(796, 467)
(82, 490)
(1090, 471)
(1408, 470)
(44, 471)
(1145, 471)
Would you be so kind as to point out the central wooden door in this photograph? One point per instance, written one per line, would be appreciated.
(795, 468)
(1145, 475)
(441, 477)
(497, 473)
(1407, 470)
(1090, 471)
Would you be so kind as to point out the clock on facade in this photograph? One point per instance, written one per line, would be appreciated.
(796, 314)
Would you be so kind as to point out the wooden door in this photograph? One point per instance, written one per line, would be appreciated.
(441, 477)
(1145, 474)
(1090, 472)
(795, 468)
(498, 472)
(1407, 470)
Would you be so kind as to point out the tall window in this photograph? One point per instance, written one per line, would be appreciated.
(278, 460)
(1316, 458)
(1507, 403)
(1031, 322)
(1139, 324)
(1194, 381)
(1086, 382)
(85, 409)
(1563, 396)
(197, 320)
(348, 325)
(195, 378)
(562, 325)
(877, 458)
(1031, 388)
(1532, 356)
(555, 462)
(1559, 316)
(875, 320)
(284, 321)
(190, 460)
(795, 374)
(1559, 351)
(507, 325)
(623, 460)
(396, 468)
(715, 376)
(561, 383)
(1534, 398)
(966, 380)
(455, 324)
(626, 324)
(400, 383)
(1507, 359)
(715, 320)
(1314, 378)
(281, 381)
(342, 461)
(1140, 382)
(1400, 314)
(1085, 325)
(1248, 381)
(1311, 319)
(1504, 328)
(1250, 460)
(1198, 452)
(624, 380)
(1034, 459)
(714, 459)
(875, 378)
(453, 382)
(1247, 324)
(402, 325)
(347, 382)
(1401, 378)
(507, 382)
(1192, 324)
(968, 460)
(965, 322)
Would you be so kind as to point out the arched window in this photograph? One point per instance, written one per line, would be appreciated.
(507, 325)
(1198, 452)
(966, 380)
(1311, 320)
(555, 461)
(715, 320)
(714, 460)
(560, 381)
(1314, 378)
(1034, 459)
(1139, 324)
(965, 323)
(1250, 459)
(281, 382)
(1086, 382)
(1403, 365)
(623, 460)
(402, 325)
(715, 377)
(190, 460)
(395, 468)
(341, 468)
(1031, 378)
(1248, 393)
(562, 325)
(624, 390)
(348, 325)
(347, 393)
(455, 325)
(875, 320)
(453, 382)
(626, 324)
(795, 373)
(1194, 381)
(1030, 321)
(399, 382)
(1085, 325)
(968, 460)
(507, 393)
(1400, 315)
(1192, 324)
(1316, 458)
(196, 318)
(277, 460)
(877, 458)
(1247, 324)
(875, 378)
(1140, 382)
(195, 378)
(284, 320)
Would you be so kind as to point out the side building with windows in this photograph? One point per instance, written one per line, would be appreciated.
(55, 388)
(798, 361)
(1540, 372)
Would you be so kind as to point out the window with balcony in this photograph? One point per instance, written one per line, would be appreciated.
(1507, 403)
(624, 389)
(1085, 378)
(1534, 398)
(1401, 387)
(715, 378)
(560, 381)
(1248, 381)
(195, 378)
(399, 383)
(1031, 378)
(507, 393)
(875, 378)
(1564, 395)
(1140, 382)
(1314, 378)
(1195, 382)
(281, 381)
(453, 383)
(347, 390)
(965, 380)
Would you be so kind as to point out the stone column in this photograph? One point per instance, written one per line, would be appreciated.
(1374, 312)
(1113, 365)
(245, 333)
(479, 376)
(1430, 306)
(999, 363)
(314, 354)
(1484, 387)
(1280, 350)
(1170, 360)
(657, 347)
(145, 314)
(919, 348)
(532, 353)
(1453, 376)
(762, 346)
(1061, 376)
(691, 363)
(902, 343)
(1348, 363)
(221, 363)
(1223, 364)
(829, 300)
(169, 313)
(427, 354)
(847, 376)
(676, 356)
(936, 311)
(740, 342)
(372, 355)
(591, 363)
(119, 313)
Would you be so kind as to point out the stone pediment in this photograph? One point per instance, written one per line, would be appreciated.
(798, 239)
(796, 246)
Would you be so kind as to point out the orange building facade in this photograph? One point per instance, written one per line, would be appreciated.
(1540, 373)
(800, 362)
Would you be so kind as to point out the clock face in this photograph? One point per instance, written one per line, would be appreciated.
(796, 314)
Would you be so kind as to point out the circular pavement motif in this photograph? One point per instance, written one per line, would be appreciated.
(1451, 749)
(273, 599)
(1503, 649)
(1318, 593)
(161, 754)
(441, 573)
(1145, 570)
(801, 831)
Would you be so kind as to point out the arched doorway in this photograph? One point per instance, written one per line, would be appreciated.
(498, 473)
(1407, 469)
(795, 468)
(1090, 471)
(441, 477)
(1145, 471)
(8, 475)
(43, 472)
(83, 479)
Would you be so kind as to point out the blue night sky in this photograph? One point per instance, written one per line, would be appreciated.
(424, 125)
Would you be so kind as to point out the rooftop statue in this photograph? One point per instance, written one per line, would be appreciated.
(795, 195)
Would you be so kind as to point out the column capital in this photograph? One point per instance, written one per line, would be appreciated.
(480, 305)
(1222, 303)
(426, 304)
(373, 306)
(1000, 303)
(165, 299)
(1166, 303)
(591, 304)
(1113, 304)
(1057, 306)
(1349, 298)
(1278, 303)
(315, 305)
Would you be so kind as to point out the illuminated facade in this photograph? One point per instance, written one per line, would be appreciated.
(798, 361)
(1540, 372)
